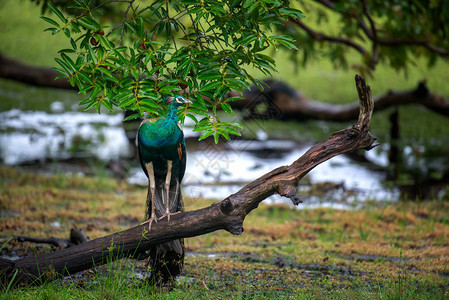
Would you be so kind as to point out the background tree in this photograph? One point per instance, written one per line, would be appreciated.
(395, 33)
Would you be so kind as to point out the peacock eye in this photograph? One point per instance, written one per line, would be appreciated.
(179, 99)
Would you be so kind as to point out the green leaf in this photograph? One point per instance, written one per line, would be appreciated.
(66, 74)
(183, 64)
(204, 124)
(210, 85)
(194, 119)
(75, 27)
(85, 78)
(72, 42)
(216, 137)
(107, 104)
(95, 92)
(66, 32)
(285, 40)
(51, 21)
(291, 12)
(205, 135)
(69, 61)
(86, 101)
(227, 108)
(90, 104)
(85, 23)
(66, 51)
(57, 12)
(233, 124)
(223, 132)
(131, 117)
(64, 65)
(210, 76)
(252, 8)
(128, 101)
(233, 131)
(248, 3)
(92, 54)
(104, 41)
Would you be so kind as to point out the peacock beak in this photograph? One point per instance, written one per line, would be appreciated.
(186, 101)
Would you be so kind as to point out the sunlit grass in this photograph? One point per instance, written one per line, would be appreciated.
(22, 34)
(391, 251)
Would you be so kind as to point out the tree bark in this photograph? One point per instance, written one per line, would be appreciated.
(228, 214)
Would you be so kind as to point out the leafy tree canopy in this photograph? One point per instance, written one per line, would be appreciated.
(199, 48)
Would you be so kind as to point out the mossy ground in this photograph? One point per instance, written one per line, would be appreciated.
(395, 251)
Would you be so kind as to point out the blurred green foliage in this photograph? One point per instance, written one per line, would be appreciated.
(393, 33)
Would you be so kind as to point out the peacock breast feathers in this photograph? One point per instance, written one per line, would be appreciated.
(158, 132)
(159, 141)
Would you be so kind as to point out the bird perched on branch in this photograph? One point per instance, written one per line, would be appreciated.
(162, 155)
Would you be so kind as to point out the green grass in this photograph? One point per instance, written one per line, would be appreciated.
(398, 251)
(22, 34)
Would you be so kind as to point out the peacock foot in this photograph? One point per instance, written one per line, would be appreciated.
(168, 214)
(150, 221)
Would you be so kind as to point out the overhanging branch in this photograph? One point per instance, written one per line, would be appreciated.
(324, 37)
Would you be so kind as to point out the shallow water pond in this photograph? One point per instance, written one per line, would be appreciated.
(212, 171)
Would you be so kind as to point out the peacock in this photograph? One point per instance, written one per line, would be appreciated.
(162, 155)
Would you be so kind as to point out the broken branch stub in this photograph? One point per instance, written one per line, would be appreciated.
(366, 102)
(228, 214)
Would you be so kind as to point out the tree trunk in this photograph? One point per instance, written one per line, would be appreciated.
(228, 214)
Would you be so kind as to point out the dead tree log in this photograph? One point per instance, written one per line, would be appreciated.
(38, 76)
(77, 236)
(284, 103)
(228, 214)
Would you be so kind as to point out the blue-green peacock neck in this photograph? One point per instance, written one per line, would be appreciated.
(172, 116)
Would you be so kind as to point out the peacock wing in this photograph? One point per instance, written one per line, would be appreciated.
(146, 124)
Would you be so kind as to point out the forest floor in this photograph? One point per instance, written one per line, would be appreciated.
(397, 251)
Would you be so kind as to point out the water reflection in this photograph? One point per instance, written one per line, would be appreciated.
(29, 136)
(212, 172)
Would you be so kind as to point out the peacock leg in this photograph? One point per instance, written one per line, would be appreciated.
(167, 189)
(152, 183)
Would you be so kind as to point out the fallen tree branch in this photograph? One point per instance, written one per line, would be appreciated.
(77, 236)
(228, 214)
(284, 103)
(319, 36)
(38, 76)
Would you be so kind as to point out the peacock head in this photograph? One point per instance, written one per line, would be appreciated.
(178, 100)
